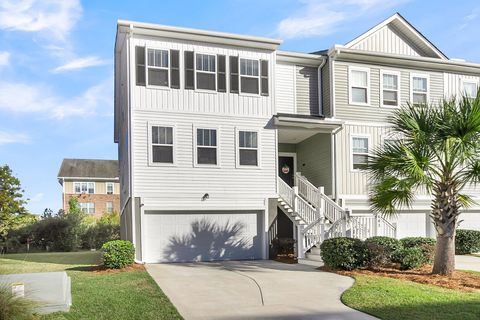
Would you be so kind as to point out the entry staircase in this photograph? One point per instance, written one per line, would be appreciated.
(318, 217)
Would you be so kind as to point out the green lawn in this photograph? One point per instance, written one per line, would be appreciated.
(393, 299)
(119, 295)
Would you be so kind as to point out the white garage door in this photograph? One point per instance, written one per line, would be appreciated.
(411, 225)
(202, 236)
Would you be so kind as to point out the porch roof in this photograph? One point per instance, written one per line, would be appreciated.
(320, 123)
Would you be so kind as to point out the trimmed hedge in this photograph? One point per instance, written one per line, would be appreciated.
(427, 245)
(118, 254)
(410, 258)
(380, 250)
(343, 253)
(467, 241)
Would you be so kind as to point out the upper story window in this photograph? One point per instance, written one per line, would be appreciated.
(162, 144)
(84, 187)
(87, 207)
(247, 148)
(205, 67)
(109, 187)
(390, 88)
(359, 79)
(419, 91)
(157, 67)
(206, 147)
(249, 76)
(359, 152)
(469, 88)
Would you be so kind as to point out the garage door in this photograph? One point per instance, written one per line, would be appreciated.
(202, 236)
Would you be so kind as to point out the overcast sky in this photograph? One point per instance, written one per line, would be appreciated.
(56, 63)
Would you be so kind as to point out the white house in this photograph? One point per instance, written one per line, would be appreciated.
(225, 142)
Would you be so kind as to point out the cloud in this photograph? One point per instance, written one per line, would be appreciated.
(467, 20)
(317, 17)
(4, 58)
(80, 63)
(41, 99)
(55, 18)
(13, 138)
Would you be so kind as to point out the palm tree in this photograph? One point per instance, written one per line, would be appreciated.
(437, 150)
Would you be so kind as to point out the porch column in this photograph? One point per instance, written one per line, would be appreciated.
(300, 242)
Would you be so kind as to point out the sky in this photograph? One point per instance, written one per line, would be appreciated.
(56, 63)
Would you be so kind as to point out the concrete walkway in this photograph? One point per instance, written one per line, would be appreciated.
(254, 290)
(467, 263)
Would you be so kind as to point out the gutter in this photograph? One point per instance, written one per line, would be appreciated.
(320, 95)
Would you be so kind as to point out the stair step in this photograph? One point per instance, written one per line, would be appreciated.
(309, 262)
(315, 250)
(314, 257)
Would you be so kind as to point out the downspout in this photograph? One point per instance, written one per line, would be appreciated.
(320, 95)
(334, 163)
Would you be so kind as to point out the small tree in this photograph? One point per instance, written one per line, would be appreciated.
(438, 151)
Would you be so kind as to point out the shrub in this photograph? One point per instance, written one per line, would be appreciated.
(380, 250)
(118, 254)
(343, 253)
(12, 307)
(426, 245)
(467, 241)
(99, 233)
(409, 258)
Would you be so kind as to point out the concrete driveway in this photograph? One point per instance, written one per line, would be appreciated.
(467, 263)
(254, 290)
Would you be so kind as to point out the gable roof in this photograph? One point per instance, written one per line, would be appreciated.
(400, 25)
(89, 168)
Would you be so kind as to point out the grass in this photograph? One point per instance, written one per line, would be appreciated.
(97, 295)
(395, 299)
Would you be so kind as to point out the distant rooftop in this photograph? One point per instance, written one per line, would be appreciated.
(88, 168)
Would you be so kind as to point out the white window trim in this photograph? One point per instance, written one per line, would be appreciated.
(195, 72)
(152, 86)
(288, 154)
(362, 69)
(106, 206)
(258, 77)
(86, 204)
(419, 75)
(150, 153)
(237, 148)
(195, 162)
(106, 187)
(399, 96)
(358, 135)
(87, 182)
(462, 85)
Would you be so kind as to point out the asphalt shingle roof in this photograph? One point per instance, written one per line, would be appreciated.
(88, 168)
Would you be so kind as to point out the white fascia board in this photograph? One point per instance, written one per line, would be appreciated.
(300, 58)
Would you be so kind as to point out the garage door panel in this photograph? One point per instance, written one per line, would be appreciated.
(180, 237)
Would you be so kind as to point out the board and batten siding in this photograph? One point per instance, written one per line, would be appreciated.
(182, 186)
(201, 101)
(326, 103)
(306, 90)
(387, 40)
(285, 88)
(374, 111)
(453, 83)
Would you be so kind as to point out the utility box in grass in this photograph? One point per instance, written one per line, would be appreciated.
(51, 290)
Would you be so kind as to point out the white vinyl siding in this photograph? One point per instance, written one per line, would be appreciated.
(205, 71)
(84, 187)
(359, 152)
(390, 88)
(161, 144)
(157, 67)
(454, 84)
(249, 76)
(247, 152)
(420, 88)
(206, 147)
(359, 85)
(87, 207)
(285, 88)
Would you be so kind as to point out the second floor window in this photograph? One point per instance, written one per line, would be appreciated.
(162, 144)
(249, 76)
(87, 207)
(205, 66)
(109, 187)
(419, 85)
(469, 89)
(157, 67)
(359, 86)
(390, 89)
(248, 148)
(359, 153)
(207, 146)
(84, 187)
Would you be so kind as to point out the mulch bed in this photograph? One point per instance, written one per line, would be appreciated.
(459, 280)
(103, 270)
(286, 258)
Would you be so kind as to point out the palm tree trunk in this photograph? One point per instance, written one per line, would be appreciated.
(444, 262)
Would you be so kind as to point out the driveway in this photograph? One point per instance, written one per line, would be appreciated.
(254, 290)
(467, 263)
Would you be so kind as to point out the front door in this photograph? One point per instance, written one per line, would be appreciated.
(286, 169)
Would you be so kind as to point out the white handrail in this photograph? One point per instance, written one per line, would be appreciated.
(286, 192)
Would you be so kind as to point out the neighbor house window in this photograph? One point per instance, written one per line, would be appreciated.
(87, 207)
(109, 187)
(157, 67)
(162, 144)
(207, 146)
(109, 207)
(247, 148)
(419, 84)
(249, 76)
(84, 187)
(390, 89)
(359, 152)
(359, 79)
(469, 88)
(205, 68)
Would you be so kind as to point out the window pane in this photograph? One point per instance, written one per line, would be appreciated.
(77, 187)
(207, 137)
(390, 81)
(91, 187)
(470, 89)
(247, 139)
(205, 62)
(162, 154)
(157, 77)
(207, 155)
(205, 81)
(390, 98)
(359, 95)
(249, 67)
(151, 57)
(360, 145)
(359, 161)
(420, 84)
(248, 157)
(84, 187)
(249, 85)
(359, 78)
(419, 98)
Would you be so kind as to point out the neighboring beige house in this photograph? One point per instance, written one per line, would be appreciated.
(94, 182)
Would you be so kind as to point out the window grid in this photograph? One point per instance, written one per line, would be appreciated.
(248, 148)
(207, 153)
(359, 152)
(419, 85)
(249, 71)
(157, 60)
(109, 187)
(84, 187)
(359, 86)
(87, 207)
(390, 89)
(162, 142)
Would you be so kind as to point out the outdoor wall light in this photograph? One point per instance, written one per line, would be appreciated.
(205, 196)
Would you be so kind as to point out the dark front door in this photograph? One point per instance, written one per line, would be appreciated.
(286, 169)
